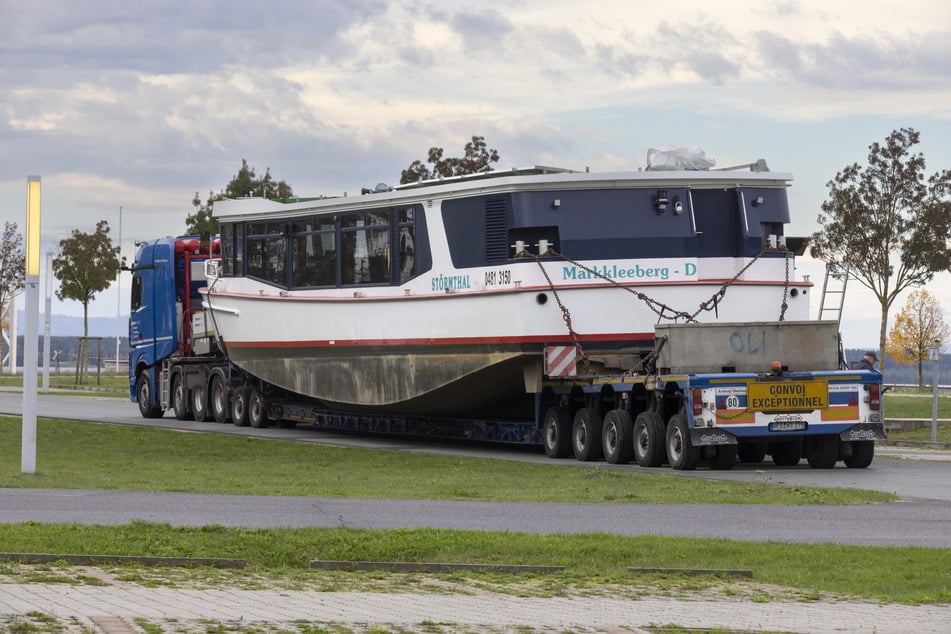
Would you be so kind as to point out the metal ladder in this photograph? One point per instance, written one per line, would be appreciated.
(832, 302)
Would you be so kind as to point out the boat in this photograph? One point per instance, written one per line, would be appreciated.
(458, 296)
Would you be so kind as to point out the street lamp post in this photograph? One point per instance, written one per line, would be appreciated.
(935, 357)
(119, 293)
(46, 322)
(31, 311)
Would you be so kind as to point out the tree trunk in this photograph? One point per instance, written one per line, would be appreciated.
(920, 381)
(883, 329)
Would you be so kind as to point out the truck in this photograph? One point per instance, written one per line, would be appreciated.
(714, 394)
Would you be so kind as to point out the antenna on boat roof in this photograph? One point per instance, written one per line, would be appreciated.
(758, 166)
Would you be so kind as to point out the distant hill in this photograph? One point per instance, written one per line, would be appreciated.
(69, 326)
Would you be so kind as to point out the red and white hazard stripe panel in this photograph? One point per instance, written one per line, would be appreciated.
(561, 361)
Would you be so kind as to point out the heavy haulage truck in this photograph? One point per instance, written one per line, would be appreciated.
(709, 394)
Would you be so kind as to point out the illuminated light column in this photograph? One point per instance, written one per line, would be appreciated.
(31, 312)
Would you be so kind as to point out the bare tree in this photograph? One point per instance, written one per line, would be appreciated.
(12, 270)
(12, 263)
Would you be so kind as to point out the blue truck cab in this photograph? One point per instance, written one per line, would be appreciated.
(166, 276)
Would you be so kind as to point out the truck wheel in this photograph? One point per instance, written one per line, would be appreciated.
(220, 407)
(180, 398)
(257, 410)
(751, 452)
(239, 406)
(786, 453)
(200, 403)
(861, 455)
(681, 453)
(724, 458)
(143, 394)
(649, 439)
(586, 435)
(822, 452)
(557, 429)
(617, 437)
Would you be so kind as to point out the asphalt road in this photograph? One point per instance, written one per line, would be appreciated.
(922, 518)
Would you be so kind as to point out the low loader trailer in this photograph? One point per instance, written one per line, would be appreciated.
(705, 394)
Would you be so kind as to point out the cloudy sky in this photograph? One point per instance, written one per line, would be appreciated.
(140, 105)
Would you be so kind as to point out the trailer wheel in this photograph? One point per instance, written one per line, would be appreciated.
(649, 439)
(681, 453)
(143, 394)
(239, 406)
(200, 403)
(180, 398)
(822, 452)
(257, 410)
(724, 457)
(786, 453)
(861, 454)
(617, 437)
(751, 452)
(220, 407)
(557, 428)
(586, 435)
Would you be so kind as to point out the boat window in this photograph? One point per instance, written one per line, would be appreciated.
(267, 252)
(227, 249)
(407, 243)
(314, 252)
(364, 249)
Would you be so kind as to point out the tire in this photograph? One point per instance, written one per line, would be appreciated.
(200, 403)
(143, 395)
(557, 430)
(239, 406)
(257, 410)
(617, 437)
(861, 455)
(724, 458)
(681, 454)
(586, 435)
(218, 401)
(180, 398)
(822, 452)
(751, 452)
(787, 453)
(649, 439)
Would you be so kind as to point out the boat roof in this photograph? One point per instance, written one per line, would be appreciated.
(537, 178)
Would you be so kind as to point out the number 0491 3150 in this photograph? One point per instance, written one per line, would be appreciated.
(498, 277)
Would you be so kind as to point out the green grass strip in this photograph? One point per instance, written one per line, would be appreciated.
(905, 574)
(77, 455)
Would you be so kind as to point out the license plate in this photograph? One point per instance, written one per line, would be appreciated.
(788, 425)
(788, 396)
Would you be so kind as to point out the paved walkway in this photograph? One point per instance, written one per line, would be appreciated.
(120, 608)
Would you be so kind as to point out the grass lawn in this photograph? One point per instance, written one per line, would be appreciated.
(103, 456)
(909, 575)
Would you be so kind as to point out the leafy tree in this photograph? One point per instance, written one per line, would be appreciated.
(12, 270)
(12, 263)
(87, 263)
(919, 323)
(243, 184)
(885, 223)
(477, 159)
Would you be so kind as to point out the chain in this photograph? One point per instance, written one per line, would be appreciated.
(662, 310)
(785, 304)
(566, 315)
